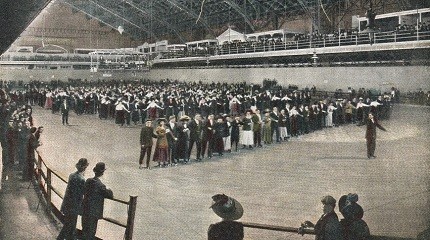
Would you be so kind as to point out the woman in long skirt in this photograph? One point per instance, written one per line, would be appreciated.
(161, 153)
(329, 117)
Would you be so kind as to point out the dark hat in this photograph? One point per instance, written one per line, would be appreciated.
(82, 163)
(328, 200)
(161, 120)
(100, 167)
(352, 197)
(226, 207)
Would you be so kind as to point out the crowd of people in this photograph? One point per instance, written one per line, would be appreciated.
(19, 137)
(186, 117)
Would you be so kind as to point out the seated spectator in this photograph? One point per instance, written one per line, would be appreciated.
(328, 226)
(353, 225)
(230, 210)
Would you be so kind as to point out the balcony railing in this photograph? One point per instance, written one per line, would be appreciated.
(321, 42)
(45, 175)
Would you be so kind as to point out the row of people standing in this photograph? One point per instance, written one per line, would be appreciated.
(176, 140)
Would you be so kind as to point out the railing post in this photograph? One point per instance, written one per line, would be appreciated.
(39, 169)
(130, 219)
(48, 189)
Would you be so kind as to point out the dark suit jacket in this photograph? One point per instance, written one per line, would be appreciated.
(94, 197)
(208, 129)
(371, 128)
(72, 201)
(65, 109)
(195, 130)
(146, 135)
(172, 134)
(226, 230)
(275, 118)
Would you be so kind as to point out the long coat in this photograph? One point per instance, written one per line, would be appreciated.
(72, 201)
(146, 135)
(94, 197)
(328, 228)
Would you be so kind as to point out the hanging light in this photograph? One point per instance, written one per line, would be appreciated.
(120, 29)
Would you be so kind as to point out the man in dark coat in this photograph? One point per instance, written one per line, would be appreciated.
(146, 135)
(207, 139)
(94, 196)
(65, 112)
(72, 201)
(196, 126)
(328, 226)
(172, 138)
(33, 144)
(372, 123)
(235, 132)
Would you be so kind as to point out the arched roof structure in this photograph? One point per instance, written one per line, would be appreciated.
(185, 20)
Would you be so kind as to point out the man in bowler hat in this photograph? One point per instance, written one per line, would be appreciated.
(93, 203)
(72, 201)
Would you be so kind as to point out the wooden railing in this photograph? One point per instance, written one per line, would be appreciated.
(44, 176)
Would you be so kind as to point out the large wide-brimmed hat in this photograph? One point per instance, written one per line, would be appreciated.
(226, 207)
(185, 118)
(82, 163)
(100, 167)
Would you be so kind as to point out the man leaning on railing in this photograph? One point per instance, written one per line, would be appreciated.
(94, 194)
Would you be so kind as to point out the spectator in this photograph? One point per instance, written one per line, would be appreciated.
(72, 201)
(328, 226)
(93, 203)
(230, 210)
(353, 225)
(33, 144)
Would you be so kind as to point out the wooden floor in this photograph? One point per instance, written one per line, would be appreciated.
(279, 184)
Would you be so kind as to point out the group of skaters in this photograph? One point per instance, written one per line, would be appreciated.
(208, 118)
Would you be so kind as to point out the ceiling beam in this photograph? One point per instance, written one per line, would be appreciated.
(239, 10)
(160, 20)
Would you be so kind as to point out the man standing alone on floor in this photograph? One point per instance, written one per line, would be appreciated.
(72, 201)
(93, 203)
(372, 123)
(65, 112)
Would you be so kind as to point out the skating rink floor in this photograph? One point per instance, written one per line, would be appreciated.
(279, 184)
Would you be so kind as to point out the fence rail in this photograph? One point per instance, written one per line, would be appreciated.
(44, 176)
